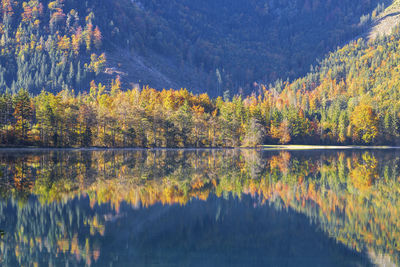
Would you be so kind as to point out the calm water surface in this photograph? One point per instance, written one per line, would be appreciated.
(199, 208)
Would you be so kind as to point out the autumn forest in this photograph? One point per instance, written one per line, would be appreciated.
(54, 93)
(199, 133)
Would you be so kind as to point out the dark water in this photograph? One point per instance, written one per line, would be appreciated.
(200, 208)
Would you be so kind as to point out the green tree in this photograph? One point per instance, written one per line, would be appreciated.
(23, 112)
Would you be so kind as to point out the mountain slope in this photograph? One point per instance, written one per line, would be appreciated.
(248, 41)
(386, 21)
(351, 97)
(354, 93)
(207, 45)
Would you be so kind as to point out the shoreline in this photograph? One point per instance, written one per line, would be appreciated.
(262, 147)
(321, 147)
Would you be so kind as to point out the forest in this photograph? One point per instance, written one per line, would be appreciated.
(42, 47)
(150, 118)
(207, 46)
(231, 44)
(350, 97)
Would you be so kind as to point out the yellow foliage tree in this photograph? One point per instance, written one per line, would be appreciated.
(365, 123)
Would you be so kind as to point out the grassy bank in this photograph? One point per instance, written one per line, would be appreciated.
(318, 147)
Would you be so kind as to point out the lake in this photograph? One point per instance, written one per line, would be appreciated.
(227, 207)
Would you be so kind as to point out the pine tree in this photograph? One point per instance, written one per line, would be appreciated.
(23, 114)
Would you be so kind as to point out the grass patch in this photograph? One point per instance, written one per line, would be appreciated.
(318, 147)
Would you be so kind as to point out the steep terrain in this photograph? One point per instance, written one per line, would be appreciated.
(384, 23)
(229, 45)
(351, 97)
(208, 45)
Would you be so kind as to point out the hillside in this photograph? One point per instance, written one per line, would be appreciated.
(210, 46)
(351, 97)
(384, 23)
(248, 41)
(353, 93)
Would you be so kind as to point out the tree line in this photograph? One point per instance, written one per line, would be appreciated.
(351, 97)
(177, 118)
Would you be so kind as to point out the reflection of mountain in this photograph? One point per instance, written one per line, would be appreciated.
(80, 204)
(241, 235)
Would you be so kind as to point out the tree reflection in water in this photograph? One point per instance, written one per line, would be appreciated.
(152, 207)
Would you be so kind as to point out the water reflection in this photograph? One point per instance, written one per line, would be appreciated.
(200, 207)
